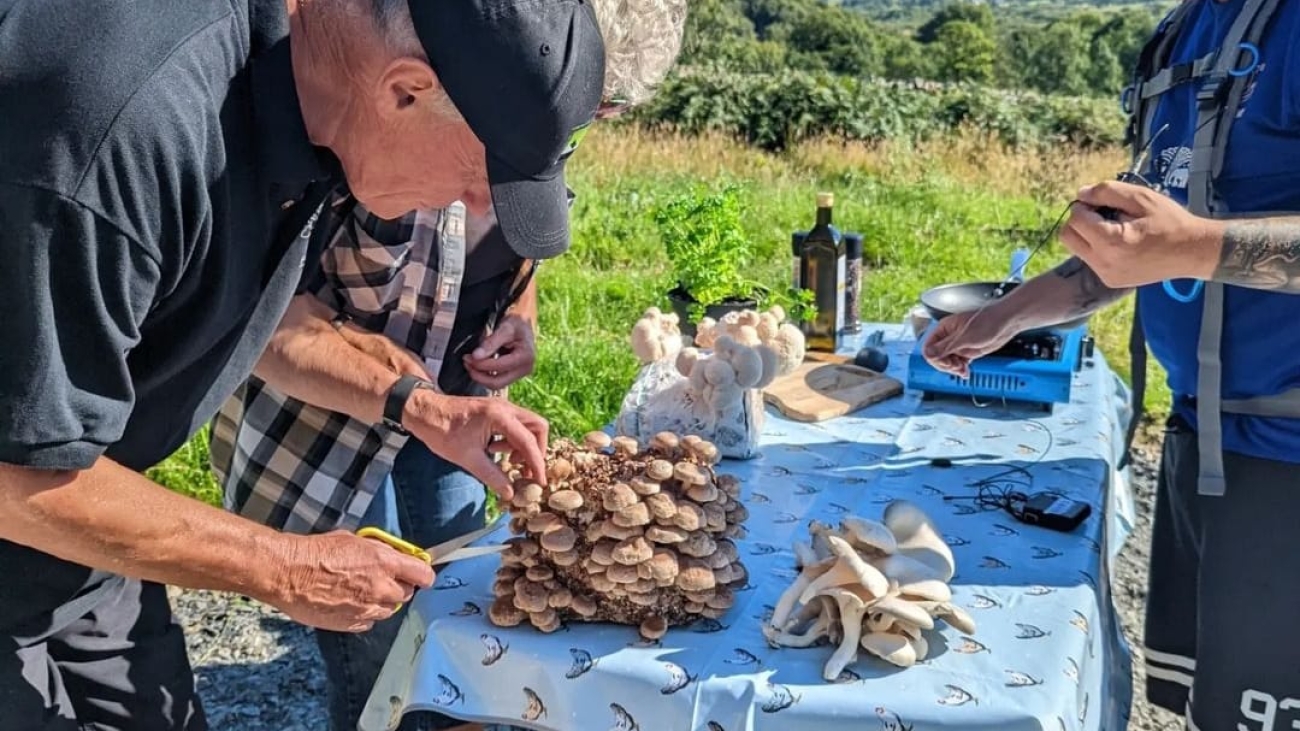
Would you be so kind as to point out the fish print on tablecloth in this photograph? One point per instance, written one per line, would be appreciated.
(779, 698)
(448, 694)
(957, 696)
(741, 656)
(715, 726)
(534, 708)
(1087, 577)
(1072, 671)
(1079, 621)
(707, 625)
(985, 602)
(963, 509)
(768, 611)
(836, 509)
(446, 582)
(785, 518)
(847, 676)
(780, 471)
(1021, 680)
(468, 609)
(890, 721)
(678, 678)
(764, 549)
(993, 562)
(758, 498)
(1003, 531)
(623, 720)
(495, 648)
(1030, 632)
(582, 663)
(969, 646)
(956, 541)
(1083, 709)
(804, 488)
(1039, 590)
(1041, 552)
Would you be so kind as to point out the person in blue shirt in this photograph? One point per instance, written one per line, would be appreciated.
(1214, 260)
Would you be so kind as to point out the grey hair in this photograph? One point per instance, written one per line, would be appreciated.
(642, 40)
(392, 19)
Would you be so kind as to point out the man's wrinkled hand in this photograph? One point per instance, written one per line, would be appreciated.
(1153, 239)
(339, 581)
(506, 355)
(961, 338)
(470, 431)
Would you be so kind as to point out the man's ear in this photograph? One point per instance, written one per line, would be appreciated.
(405, 83)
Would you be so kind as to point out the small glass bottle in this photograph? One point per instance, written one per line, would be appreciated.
(796, 250)
(822, 270)
(852, 282)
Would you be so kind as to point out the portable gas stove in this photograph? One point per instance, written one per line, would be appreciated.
(1036, 368)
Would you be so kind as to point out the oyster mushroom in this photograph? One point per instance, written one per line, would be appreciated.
(530, 596)
(564, 559)
(565, 501)
(622, 574)
(665, 535)
(632, 516)
(625, 446)
(695, 578)
(540, 573)
(547, 620)
(584, 605)
(504, 613)
(619, 496)
(868, 535)
(633, 551)
(849, 569)
(918, 538)
(654, 627)
(891, 647)
(661, 505)
(543, 522)
(643, 486)
(659, 470)
(663, 565)
(665, 442)
(690, 473)
(597, 440)
(560, 598)
(825, 613)
(603, 552)
(560, 539)
(786, 603)
(689, 517)
(530, 493)
(698, 544)
(729, 484)
(715, 517)
(852, 605)
(702, 492)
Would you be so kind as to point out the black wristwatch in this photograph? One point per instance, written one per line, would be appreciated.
(395, 404)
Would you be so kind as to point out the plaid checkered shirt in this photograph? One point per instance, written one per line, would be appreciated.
(304, 469)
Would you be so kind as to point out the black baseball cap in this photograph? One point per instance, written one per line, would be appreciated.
(527, 76)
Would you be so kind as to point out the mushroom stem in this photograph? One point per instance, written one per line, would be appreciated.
(792, 593)
(852, 608)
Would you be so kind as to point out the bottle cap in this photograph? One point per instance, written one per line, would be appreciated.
(796, 242)
(825, 200)
(853, 245)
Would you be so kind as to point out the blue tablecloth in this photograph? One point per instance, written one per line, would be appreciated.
(1048, 651)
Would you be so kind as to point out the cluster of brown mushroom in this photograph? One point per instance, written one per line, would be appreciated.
(871, 585)
(623, 534)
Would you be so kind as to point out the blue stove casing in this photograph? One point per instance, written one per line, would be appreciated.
(1008, 374)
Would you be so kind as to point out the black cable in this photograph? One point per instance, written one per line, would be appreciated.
(1010, 489)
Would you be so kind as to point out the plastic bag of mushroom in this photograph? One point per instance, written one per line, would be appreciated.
(713, 388)
(874, 586)
(623, 534)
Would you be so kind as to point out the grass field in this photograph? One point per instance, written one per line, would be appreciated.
(950, 211)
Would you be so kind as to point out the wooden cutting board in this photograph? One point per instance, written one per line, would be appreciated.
(816, 391)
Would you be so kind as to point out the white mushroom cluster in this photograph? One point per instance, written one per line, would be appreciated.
(623, 534)
(656, 336)
(874, 586)
(758, 330)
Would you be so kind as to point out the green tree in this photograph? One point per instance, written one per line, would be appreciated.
(711, 26)
(844, 41)
(1061, 63)
(965, 52)
(978, 14)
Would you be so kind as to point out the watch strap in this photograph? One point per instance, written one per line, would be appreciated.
(398, 395)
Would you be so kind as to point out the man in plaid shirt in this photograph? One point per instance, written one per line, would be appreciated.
(306, 469)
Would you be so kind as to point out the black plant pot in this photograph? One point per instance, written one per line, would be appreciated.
(682, 302)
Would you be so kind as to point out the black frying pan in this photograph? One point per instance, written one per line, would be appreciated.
(951, 299)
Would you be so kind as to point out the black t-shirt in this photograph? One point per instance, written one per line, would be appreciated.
(157, 204)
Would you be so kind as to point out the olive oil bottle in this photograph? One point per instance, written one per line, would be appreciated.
(822, 269)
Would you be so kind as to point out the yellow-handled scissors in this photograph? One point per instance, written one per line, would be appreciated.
(445, 552)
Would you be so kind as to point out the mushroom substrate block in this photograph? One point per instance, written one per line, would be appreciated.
(622, 533)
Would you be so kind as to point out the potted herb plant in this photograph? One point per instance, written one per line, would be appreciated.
(708, 253)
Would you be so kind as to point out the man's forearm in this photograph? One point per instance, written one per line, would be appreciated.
(1070, 290)
(307, 359)
(526, 305)
(112, 518)
(1261, 254)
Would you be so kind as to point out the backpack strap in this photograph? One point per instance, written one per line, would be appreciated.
(1217, 102)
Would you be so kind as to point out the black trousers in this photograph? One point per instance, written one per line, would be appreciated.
(1223, 608)
(121, 666)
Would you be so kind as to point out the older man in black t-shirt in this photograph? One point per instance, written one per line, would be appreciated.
(164, 168)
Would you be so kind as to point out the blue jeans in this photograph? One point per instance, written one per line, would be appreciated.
(425, 500)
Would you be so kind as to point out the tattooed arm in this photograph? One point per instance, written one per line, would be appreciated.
(1261, 254)
(1070, 290)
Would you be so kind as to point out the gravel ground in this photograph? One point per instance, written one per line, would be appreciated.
(257, 671)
